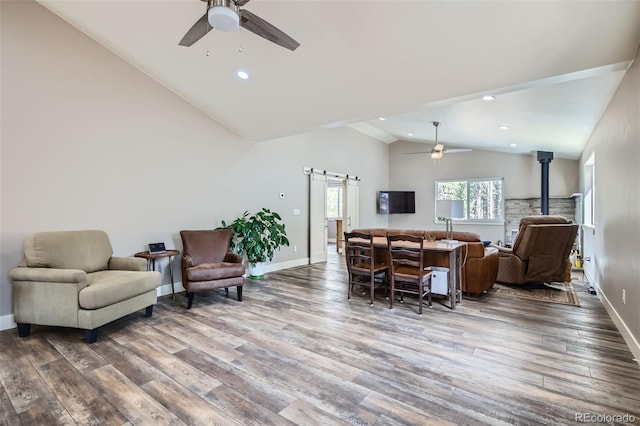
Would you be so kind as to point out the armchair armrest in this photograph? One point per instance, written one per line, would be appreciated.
(233, 258)
(502, 250)
(187, 261)
(48, 275)
(127, 264)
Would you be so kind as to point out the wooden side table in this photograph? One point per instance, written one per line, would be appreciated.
(151, 264)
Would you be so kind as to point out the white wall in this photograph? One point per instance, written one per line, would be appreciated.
(521, 173)
(616, 144)
(88, 141)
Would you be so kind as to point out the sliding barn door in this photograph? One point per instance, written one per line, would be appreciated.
(317, 218)
(351, 210)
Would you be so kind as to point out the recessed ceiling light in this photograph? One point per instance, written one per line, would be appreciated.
(409, 134)
(243, 75)
(488, 98)
(503, 127)
(512, 145)
(381, 118)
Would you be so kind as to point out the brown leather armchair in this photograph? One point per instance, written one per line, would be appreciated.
(540, 252)
(207, 262)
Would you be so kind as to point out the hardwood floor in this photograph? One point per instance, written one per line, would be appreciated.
(295, 351)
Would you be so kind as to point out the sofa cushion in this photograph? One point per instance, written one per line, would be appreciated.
(214, 271)
(470, 237)
(88, 250)
(108, 287)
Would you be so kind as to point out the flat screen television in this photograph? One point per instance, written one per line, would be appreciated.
(393, 202)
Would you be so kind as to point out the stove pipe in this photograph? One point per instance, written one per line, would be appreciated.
(544, 157)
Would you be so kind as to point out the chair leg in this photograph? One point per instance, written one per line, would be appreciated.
(386, 285)
(372, 285)
(24, 329)
(420, 299)
(239, 290)
(91, 335)
(392, 294)
(190, 299)
(226, 291)
(349, 286)
(148, 311)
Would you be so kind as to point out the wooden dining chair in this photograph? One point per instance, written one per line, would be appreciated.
(362, 266)
(406, 269)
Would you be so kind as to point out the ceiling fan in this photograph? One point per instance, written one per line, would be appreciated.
(226, 15)
(438, 150)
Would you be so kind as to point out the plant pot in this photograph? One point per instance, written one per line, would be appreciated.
(256, 271)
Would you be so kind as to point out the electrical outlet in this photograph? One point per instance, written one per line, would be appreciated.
(295, 249)
(624, 296)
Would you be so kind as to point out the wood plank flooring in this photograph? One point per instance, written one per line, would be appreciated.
(295, 351)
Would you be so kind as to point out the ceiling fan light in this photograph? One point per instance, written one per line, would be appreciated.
(436, 155)
(223, 18)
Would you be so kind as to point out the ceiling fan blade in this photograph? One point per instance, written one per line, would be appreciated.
(260, 27)
(419, 152)
(242, 2)
(196, 32)
(454, 150)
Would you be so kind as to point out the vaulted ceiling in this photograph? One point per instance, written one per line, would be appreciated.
(551, 65)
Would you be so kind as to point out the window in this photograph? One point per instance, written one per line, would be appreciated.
(483, 200)
(334, 201)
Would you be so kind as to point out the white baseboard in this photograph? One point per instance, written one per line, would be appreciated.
(591, 279)
(629, 338)
(272, 267)
(165, 289)
(6, 322)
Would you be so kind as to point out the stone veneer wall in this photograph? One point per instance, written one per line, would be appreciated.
(517, 208)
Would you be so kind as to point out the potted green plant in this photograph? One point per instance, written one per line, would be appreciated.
(257, 236)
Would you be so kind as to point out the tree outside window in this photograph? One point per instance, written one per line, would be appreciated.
(483, 198)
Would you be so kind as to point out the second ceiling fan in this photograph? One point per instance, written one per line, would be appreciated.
(438, 150)
(226, 15)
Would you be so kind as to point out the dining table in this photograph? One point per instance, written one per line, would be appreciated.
(453, 250)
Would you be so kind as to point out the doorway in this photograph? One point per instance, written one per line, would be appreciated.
(589, 220)
(333, 210)
(335, 203)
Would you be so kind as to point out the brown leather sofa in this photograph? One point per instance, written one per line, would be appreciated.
(480, 264)
(540, 252)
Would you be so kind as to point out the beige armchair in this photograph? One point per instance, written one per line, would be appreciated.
(71, 279)
(540, 252)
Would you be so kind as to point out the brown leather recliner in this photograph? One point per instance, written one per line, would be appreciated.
(540, 252)
(207, 262)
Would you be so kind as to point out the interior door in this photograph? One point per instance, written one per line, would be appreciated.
(589, 221)
(588, 256)
(317, 218)
(351, 212)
